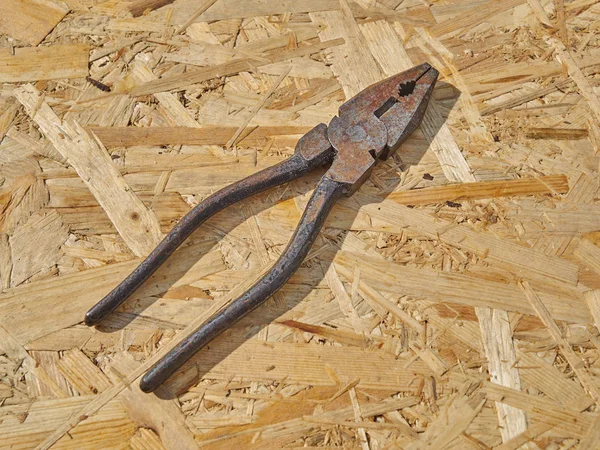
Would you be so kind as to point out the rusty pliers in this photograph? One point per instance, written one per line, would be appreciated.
(370, 126)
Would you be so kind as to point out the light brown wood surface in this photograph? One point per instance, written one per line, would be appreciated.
(30, 21)
(453, 302)
(44, 63)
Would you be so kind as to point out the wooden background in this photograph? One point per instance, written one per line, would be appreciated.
(452, 303)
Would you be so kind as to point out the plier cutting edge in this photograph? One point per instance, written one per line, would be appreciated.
(370, 126)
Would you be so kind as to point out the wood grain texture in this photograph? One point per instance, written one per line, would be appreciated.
(30, 20)
(136, 224)
(487, 189)
(148, 410)
(44, 63)
(207, 135)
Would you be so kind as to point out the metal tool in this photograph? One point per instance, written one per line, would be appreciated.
(370, 126)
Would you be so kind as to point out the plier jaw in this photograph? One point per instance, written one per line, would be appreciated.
(414, 90)
(369, 127)
(375, 122)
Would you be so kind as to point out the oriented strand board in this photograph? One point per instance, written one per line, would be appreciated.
(136, 223)
(44, 63)
(30, 20)
(207, 135)
(36, 246)
(485, 189)
(453, 302)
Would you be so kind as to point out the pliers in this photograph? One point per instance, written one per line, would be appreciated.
(369, 126)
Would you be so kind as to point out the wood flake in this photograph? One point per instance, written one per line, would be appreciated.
(44, 63)
(556, 184)
(30, 20)
(36, 246)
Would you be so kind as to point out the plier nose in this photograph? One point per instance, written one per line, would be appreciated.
(370, 126)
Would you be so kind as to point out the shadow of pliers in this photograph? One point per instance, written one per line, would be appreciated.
(370, 126)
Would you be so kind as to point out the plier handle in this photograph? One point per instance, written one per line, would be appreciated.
(369, 127)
